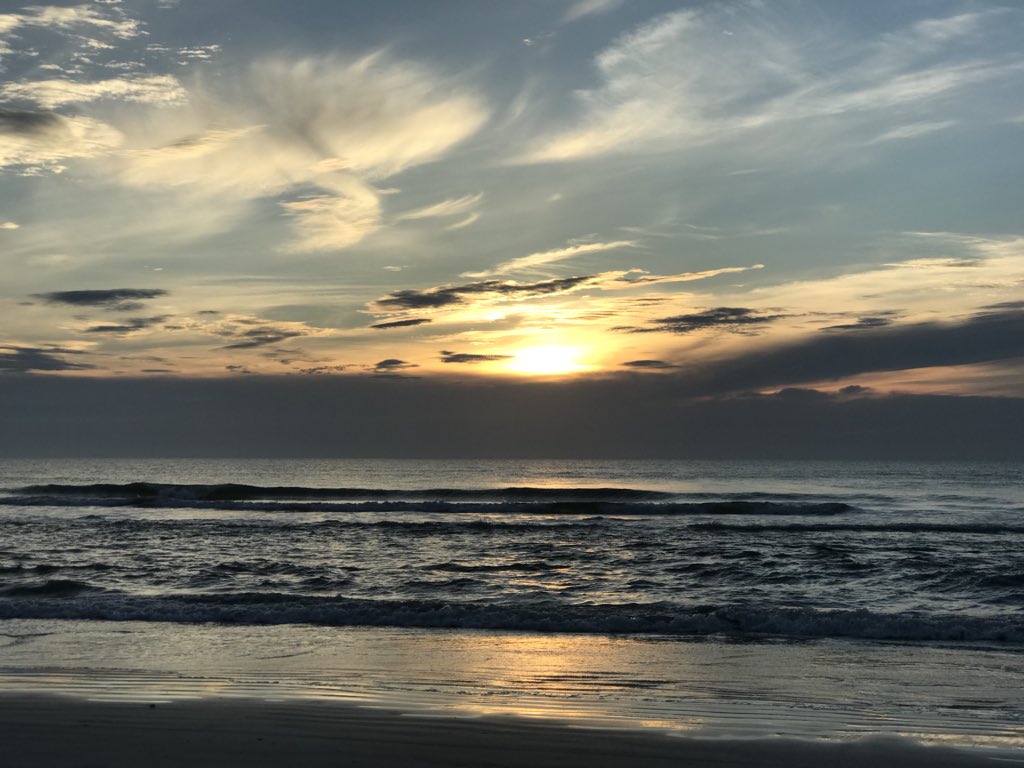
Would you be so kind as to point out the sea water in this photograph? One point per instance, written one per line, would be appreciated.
(626, 588)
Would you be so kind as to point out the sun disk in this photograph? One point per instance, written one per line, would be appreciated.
(547, 361)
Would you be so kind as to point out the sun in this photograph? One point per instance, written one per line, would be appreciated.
(552, 360)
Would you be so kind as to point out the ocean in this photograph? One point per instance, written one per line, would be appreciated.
(784, 597)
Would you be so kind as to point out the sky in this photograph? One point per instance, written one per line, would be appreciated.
(578, 208)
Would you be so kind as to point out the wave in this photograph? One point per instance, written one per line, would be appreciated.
(541, 507)
(453, 567)
(894, 527)
(240, 492)
(286, 524)
(655, 618)
(42, 569)
(50, 588)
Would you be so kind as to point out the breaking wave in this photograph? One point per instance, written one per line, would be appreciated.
(655, 618)
(526, 500)
(894, 527)
(240, 492)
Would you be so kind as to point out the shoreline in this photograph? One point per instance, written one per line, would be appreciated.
(810, 691)
(46, 730)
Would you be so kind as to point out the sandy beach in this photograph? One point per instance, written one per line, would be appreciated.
(53, 731)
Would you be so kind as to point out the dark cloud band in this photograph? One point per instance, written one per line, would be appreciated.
(466, 357)
(401, 323)
(117, 299)
(735, 319)
(435, 298)
(19, 359)
(130, 325)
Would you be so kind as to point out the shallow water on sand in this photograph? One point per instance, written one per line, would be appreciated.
(831, 689)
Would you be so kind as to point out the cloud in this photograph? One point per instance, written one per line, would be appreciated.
(319, 131)
(734, 319)
(984, 337)
(333, 222)
(632, 278)
(934, 263)
(154, 89)
(449, 296)
(393, 364)
(656, 365)
(582, 8)
(726, 71)
(402, 323)
(913, 130)
(322, 370)
(129, 325)
(455, 206)
(260, 337)
(462, 224)
(24, 359)
(873, 321)
(40, 140)
(371, 116)
(10, 225)
(530, 262)
(465, 357)
(975, 271)
(28, 123)
(114, 21)
(253, 332)
(117, 299)
(435, 298)
(199, 52)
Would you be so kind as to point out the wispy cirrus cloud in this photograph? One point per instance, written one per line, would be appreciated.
(318, 133)
(530, 262)
(913, 130)
(582, 8)
(334, 221)
(963, 271)
(455, 206)
(708, 76)
(49, 94)
(633, 278)
(109, 19)
(470, 219)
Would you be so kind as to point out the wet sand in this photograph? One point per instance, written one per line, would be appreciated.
(44, 731)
